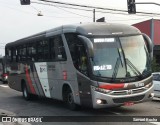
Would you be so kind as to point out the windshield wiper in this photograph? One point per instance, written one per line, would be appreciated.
(133, 68)
(116, 68)
(120, 57)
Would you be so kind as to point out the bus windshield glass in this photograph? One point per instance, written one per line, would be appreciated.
(120, 57)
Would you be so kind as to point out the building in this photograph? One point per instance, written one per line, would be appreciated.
(152, 29)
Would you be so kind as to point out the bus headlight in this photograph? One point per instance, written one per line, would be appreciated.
(98, 101)
(105, 91)
(101, 101)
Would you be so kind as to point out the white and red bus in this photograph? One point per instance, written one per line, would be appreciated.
(95, 64)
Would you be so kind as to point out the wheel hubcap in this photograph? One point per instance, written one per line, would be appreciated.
(25, 92)
(70, 98)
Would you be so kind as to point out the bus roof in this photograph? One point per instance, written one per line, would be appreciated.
(86, 29)
(102, 29)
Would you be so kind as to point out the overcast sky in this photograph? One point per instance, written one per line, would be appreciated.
(17, 21)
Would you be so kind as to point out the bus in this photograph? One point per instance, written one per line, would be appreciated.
(3, 72)
(96, 65)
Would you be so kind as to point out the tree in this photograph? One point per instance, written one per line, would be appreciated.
(155, 65)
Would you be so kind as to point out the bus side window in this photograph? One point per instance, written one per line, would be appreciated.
(43, 50)
(17, 55)
(22, 53)
(82, 58)
(46, 50)
(71, 41)
(59, 48)
(14, 54)
(78, 52)
(8, 54)
(31, 51)
(40, 51)
(52, 49)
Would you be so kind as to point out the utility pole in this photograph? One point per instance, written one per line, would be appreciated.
(94, 15)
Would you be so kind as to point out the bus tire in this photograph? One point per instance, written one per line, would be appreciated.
(25, 92)
(69, 99)
(4, 82)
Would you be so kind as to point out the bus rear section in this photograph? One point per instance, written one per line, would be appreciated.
(97, 65)
(3, 72)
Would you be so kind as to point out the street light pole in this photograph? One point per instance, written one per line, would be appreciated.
(93, 15)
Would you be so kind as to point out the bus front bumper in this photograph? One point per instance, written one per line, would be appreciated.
(101, 100)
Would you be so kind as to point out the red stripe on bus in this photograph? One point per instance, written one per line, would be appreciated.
(64, 75)
(112, 86)
(29, 81)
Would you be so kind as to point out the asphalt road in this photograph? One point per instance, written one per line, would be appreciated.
(12, 103)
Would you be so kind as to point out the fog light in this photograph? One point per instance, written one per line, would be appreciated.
(99, 101)
(151, 95)
(148, 85)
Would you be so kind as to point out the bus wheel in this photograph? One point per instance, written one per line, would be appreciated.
(25, 92)
(70, 100)
(4, 82)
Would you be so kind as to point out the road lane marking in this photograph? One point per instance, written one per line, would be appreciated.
(155, 123)
(5, 86)
(116, 113)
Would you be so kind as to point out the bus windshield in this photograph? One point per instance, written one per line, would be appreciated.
(120, 57)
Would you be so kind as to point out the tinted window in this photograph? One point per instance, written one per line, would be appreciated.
(22, 53)
(8, 54)
(43, 52)
(78, 52)
(31, 50)
(57, 48)
(156, 77)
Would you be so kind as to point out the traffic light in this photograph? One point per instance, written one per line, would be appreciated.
(131, 6)
(25, 2)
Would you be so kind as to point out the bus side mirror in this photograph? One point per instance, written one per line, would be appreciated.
(149, 44)
(87, 44)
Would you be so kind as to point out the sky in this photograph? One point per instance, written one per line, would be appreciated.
(17, 21)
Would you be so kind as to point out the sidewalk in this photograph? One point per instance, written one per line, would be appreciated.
(14, 123)
(5, 113)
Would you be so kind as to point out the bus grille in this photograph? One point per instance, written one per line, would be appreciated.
(128, 99)
(138, 90)
(125, 92)
(119, 93)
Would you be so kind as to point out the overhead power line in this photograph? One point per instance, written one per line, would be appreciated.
(95, 7)
(74, 13)
(89, 10)
(148, 3)
(60, 7)
(84, 6)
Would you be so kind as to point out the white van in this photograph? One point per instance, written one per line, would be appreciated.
(156, 82)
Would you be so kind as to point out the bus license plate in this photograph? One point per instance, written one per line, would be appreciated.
(128, 103)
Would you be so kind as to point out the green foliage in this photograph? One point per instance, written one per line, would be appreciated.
(155, 65)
